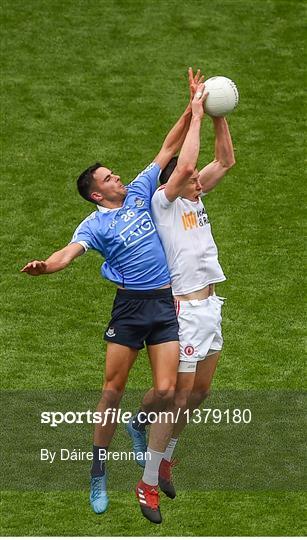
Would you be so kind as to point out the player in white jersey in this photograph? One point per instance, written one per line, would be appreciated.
(192, 258)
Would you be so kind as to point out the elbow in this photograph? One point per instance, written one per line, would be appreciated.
(228, 164)
(189, 170)
(186, 171)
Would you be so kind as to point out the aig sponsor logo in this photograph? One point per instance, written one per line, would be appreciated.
(138, 229)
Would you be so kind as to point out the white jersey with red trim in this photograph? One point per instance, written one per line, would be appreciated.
(185, 232)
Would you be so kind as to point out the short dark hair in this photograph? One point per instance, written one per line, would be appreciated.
(85, 181)
(168, 170)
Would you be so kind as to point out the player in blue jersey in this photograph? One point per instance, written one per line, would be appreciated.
(123, 232)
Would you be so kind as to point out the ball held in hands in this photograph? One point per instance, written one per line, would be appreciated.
(223, 96)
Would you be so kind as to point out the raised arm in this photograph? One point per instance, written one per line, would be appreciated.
(188, 156)
(224, 159)
(57, 261)
(175, 138)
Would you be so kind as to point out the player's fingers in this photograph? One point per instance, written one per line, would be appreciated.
(34, 264)
(27, 270)
(197, 76)
(26, 267)
(204, 96)
(201, 79)
(199, 90)
(190, 73)
(191, 78)
(203, 100)
(39, 266)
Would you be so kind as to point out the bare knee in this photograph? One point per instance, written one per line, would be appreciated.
(164, 395)
(181, 399)
(112, 392)
(198, 395)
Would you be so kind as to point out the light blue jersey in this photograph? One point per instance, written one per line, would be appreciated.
(127, 238)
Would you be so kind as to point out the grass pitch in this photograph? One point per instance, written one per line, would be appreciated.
(104, 80)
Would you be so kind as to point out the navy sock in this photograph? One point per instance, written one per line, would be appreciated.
(139, 421)
(98, 467)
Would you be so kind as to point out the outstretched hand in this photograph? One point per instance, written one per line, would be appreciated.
(35, 268)
(199, 100)
(194, 80)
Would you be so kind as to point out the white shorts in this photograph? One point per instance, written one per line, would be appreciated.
(200, 331)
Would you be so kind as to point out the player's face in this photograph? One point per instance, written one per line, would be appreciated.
(108, 187)
(193, 188)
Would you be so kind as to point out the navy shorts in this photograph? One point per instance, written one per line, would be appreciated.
(142, 316)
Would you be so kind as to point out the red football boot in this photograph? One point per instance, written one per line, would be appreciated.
(165, 478)
(148, 498)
